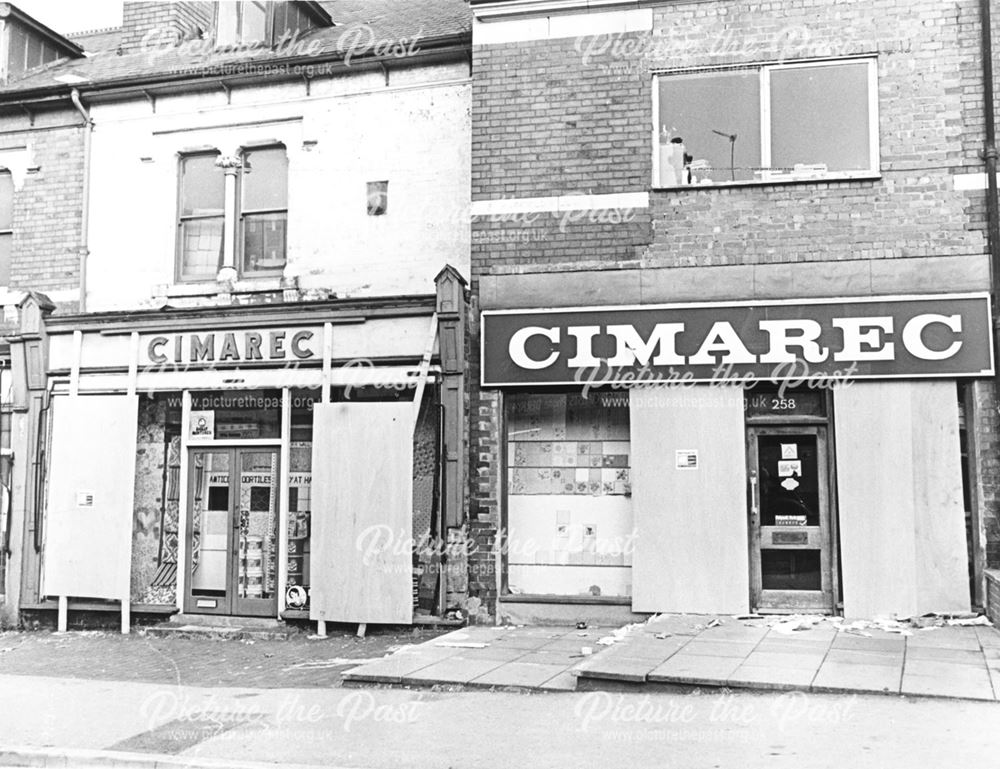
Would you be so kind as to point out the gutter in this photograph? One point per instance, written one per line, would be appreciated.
(84, 249)
(449, 45)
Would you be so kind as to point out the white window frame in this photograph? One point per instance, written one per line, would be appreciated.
(764, 69)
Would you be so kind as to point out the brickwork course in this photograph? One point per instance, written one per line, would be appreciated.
(574, 115)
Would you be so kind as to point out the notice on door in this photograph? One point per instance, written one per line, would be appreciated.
(790, 468)
(687, 459)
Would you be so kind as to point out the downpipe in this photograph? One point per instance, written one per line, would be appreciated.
(84, 249)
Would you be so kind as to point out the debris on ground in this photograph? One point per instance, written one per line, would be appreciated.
(333, 662)
(620, 633)
(967, 621)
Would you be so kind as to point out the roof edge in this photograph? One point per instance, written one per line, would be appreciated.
(9, 10)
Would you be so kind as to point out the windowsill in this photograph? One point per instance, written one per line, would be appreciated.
(609, 600)
(245, 285)
(871, 177)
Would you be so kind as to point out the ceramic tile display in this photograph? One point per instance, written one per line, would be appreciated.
(568, 496)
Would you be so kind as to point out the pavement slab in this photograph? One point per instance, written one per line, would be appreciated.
(617, 669)
(847, 677)
(771, 677)
(865, 657)
(458, 670)
(519, 674)
(947, 680)
(945, 654)
(718, 648)
(786, 659)
(946, 637)
(696, 669)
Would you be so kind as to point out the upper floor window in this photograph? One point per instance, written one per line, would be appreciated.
(6, 225)
(240, 23)
(202, 216)
(264, 23)
(263, 210)
(765, 124)
(254, 232)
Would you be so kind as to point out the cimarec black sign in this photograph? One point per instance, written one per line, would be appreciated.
(835, 340)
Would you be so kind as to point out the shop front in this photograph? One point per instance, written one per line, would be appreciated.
(783, 457)
(278, 461)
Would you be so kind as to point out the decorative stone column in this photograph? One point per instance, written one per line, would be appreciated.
(230, 165)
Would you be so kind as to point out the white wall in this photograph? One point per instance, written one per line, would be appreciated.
(349, 131)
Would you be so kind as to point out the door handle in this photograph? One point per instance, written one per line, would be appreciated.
(753, 499)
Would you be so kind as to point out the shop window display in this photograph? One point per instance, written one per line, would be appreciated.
(157, 500)
(569, 511)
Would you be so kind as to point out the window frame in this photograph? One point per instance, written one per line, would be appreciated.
(764, 70)
(240, 214)
(8, 232)
(179, 218)
(267, 7)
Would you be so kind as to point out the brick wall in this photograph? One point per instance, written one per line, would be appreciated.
(575, 115)
(993, 597)
(165, 19)
(47, 206)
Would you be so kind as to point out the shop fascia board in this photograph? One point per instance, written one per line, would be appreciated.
(450, 48)
(259, 316)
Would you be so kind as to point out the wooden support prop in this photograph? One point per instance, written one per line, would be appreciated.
(362, 629)
(321, 628)
(63, 621)
(126, 615)
(425, 365)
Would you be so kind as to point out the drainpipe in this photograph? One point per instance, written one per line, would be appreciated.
(85, 205)
(993, 242)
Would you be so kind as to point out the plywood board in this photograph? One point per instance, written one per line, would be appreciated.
(88, 527)
(902, 541)
(692, 549)
(362, 495)
(942, 556)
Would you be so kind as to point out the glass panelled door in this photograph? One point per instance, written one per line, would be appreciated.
(232, 531)
(790, 553)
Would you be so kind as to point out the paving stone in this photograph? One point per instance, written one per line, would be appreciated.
(853, 642)
(947, 680)
(564, 658)
(452, 671)
(718, 648)
(865, 657)
(502, 653)
(650, 648)
(788, 660)
(695, 669)
(390, 670)
(619, 669)
(679, 624)
(995, 679)
(770, 677)
(522, 642)
(988, 637)
(840, 676)
(571, 643)
(563, 682)
(794, 645)
(734, 632)
(936, 653)
(525, 674)
(946, 637)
